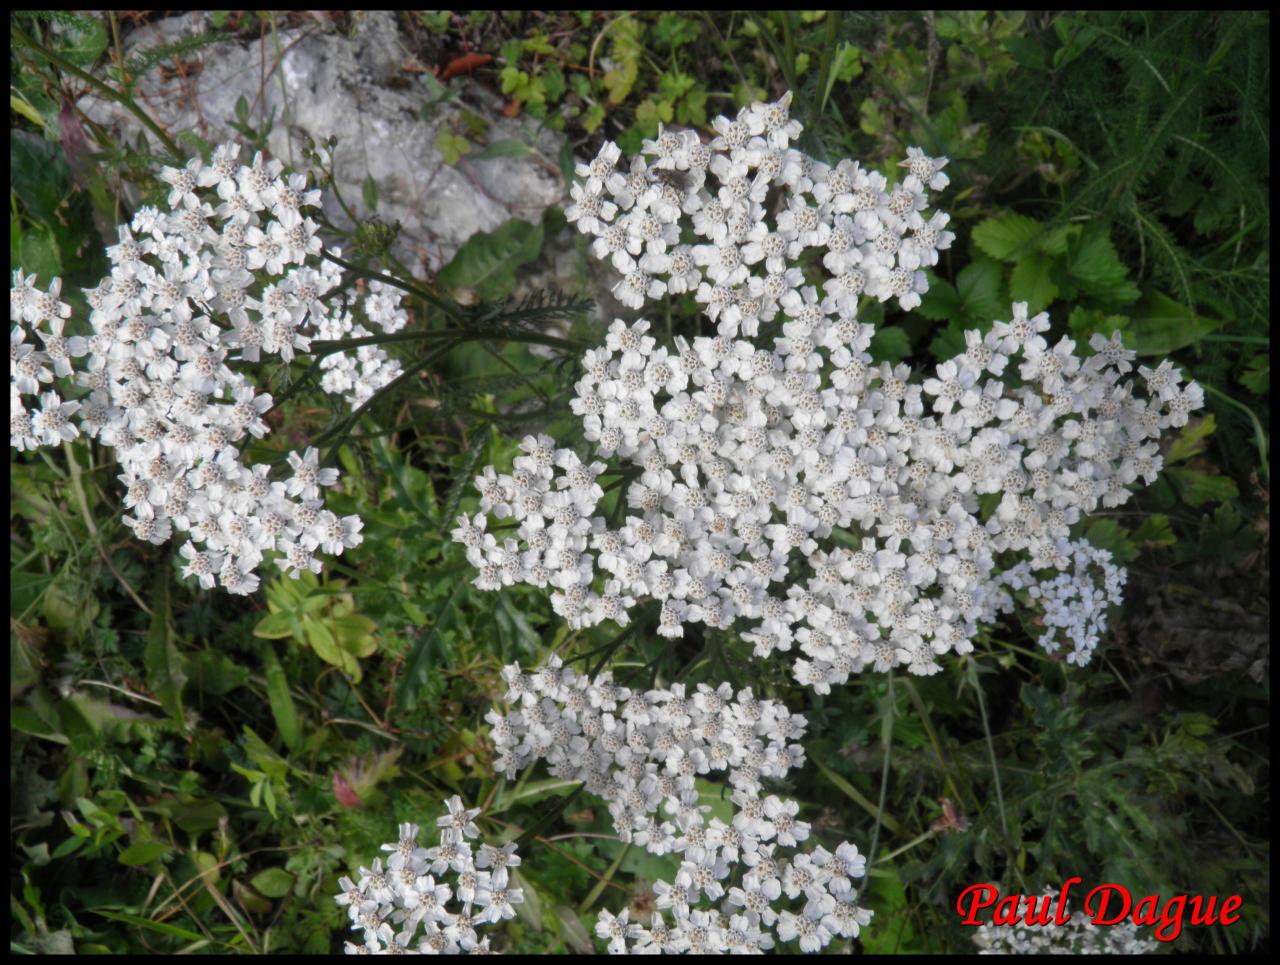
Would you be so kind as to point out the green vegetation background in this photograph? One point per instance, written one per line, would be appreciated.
(192, 771)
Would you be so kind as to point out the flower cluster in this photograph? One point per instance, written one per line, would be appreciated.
(229, 272)
(1078, 936)
(643, 753)
(388, 904)
(776, 453)
(1072, 601)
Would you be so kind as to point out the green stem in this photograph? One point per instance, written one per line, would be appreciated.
(459, 334)
(909, 845)
(340, 430)
(106, 90)
(549, 815)
(612, 647)
(603, 883)
(884, 774)
(1259, 436)
(395, 282)
(825, 82)
(1242, 339)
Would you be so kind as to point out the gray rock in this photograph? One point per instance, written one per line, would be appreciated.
(323, 82)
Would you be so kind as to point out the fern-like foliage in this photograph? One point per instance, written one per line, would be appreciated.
(537, 311)
(1173, 110)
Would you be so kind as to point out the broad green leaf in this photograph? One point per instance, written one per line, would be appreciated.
(1032, 282)
(38, 176)
(573, 931)
(274, 882)
(275, 626)
(508, 147)
(1008, 237)
(69, 846)
(319, 637)
(38, 251)
(191, 816)
(278, 696)
(143, 852)
(487, 261)
(1160, 326)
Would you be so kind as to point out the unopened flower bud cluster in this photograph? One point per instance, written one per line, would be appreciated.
(779, 481)
(229, 273)
(387, 905)
(740, 884)
(1078, 936)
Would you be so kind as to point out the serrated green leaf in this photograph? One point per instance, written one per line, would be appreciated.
(948, 343)
(487, 261)
(273, 883)
(451, 146)
(890, 345)
(1257, 375)
(1198, 488)
(554, 82)
(1154, 531)
(1008, 237)
(593, 117)
(1032, 282)
(978, 286)
(369, 192)
(83, 42)
(1096, 269)
(1083, 322)
(1191, 441)
(941, 302)
(1106, 534)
